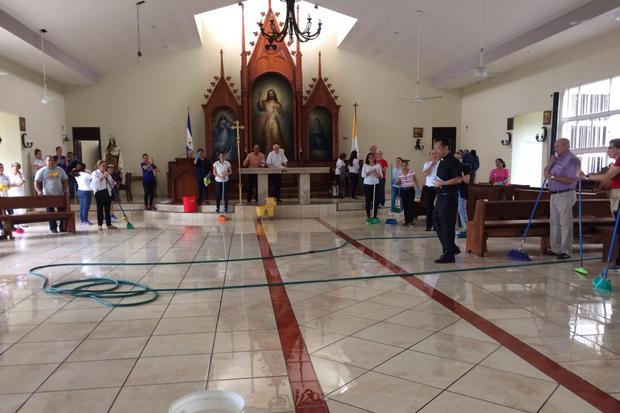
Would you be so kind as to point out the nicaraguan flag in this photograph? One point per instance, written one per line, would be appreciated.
(189, 143)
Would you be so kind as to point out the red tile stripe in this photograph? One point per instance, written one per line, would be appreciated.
(305, 386)
(582, 388)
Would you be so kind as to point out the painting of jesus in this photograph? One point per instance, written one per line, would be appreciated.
(272, 113)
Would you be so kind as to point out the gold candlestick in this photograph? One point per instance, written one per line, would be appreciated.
(238, 127)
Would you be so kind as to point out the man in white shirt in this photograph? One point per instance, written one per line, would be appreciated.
(276, 159)
(428, 192)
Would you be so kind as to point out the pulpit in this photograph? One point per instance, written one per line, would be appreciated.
(181, 179)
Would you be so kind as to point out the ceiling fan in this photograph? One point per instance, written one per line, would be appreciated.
(481, 72)
(45, 99)
(417, 98)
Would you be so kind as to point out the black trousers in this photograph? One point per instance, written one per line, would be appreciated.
(429, 195)
(149, 192)
(222, 192)
(54, 224)
(354, 178)
(368, 192)
(252, 190)
(444, 220)
(203, 193)
(275, 185)
(407, 197)
(104, 203)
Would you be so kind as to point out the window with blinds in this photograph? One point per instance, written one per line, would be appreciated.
(590, 118)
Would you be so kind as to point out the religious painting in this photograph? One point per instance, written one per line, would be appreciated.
(22, 124)
(223, 136)
(547, 117)
(272, 113)
(320, 134)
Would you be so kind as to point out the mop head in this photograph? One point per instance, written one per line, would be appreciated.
(581, 271)
(518, 255)
(222, 219)
(373, 220)
(391, 221)
(602, 285)
(130, 225)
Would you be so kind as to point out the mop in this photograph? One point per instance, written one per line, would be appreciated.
(602, 283)
(580, 270)
(519, 255)
(373, 220)
(391, 220)
(222, 218)
(120, 204)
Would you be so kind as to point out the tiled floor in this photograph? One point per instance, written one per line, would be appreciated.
(454, 339)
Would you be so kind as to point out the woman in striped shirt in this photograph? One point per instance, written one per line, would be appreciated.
(407, 182)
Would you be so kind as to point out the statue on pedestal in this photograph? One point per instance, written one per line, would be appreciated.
(113, 154)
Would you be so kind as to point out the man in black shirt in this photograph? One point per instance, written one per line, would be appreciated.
(203, 169)
(447, 184)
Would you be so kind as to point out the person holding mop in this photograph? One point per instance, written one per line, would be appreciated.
(371, 173)
(611, 179)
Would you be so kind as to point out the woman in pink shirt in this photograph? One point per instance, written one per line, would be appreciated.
(500, 175)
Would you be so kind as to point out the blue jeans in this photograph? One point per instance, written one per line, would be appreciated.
(84, 198)
(463, 213)
(394, 193)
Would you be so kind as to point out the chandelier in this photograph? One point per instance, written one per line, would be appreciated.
(290, 28)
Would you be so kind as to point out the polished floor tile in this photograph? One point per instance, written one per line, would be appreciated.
(376, 345)
(507, 389)
(74, 401)
(169, 369)
(425, 368)
(89, 375)
(397, 395)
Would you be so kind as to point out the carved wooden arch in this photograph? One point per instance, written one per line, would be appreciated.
(221, 96)
(321, 96)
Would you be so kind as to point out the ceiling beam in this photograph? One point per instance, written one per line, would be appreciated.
(559, 24)
(34, 39)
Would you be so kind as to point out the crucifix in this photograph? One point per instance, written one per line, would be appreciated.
(238, 127)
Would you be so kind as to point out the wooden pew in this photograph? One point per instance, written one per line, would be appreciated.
(509, 218)
(532, 194)
(31, 202)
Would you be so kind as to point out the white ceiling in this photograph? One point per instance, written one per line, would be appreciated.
(101, 34)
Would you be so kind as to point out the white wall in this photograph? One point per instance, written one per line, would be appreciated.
(20, 95)
(487, 105)
(10, 147)
(144, 105)
(527, 153)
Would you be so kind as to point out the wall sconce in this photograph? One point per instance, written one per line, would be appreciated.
(418, 145)
(508, 140)
(543, 135)
(0, 138)
(65, 139)
(25, 142)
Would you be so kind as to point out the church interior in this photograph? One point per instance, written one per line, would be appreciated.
(277, 206)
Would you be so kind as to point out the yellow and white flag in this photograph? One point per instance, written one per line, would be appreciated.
(354, 146)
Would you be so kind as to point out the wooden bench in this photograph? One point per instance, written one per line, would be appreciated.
(31, 202)
(494, 219)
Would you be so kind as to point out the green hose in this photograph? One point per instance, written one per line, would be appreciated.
(104, 289)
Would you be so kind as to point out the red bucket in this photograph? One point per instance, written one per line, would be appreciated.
(189, 204)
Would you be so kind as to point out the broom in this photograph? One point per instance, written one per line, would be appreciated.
(602, 283)
(222, 218)
(580, 270)
(391, 220)
(120, 204)
(373, 220)
(519, 255)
